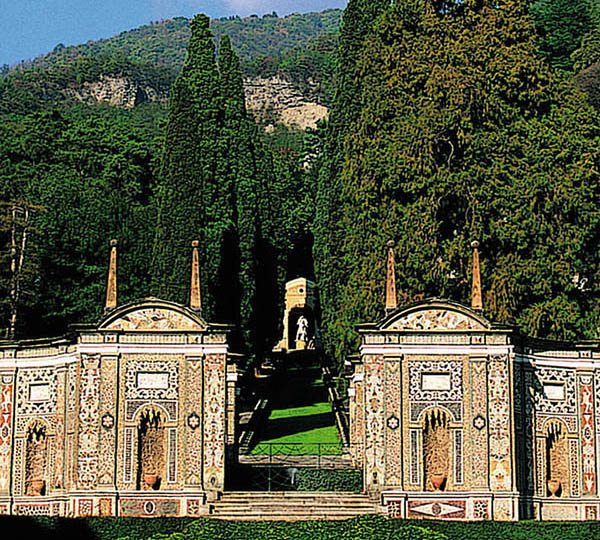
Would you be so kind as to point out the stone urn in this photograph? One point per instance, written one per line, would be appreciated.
(438, 481)
(37, 486)
(151, 479)
(553, 487)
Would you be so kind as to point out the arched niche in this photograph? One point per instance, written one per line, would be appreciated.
(436, 449)
(151, 455)
(556, 459)
(36, 458)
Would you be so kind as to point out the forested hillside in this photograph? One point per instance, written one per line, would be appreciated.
(143, 63)
(450, 121)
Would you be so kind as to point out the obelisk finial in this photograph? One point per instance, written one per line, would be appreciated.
(476, 297)
(195, 296)
(111, 284)
(391, 301)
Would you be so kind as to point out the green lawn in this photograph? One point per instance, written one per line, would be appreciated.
(301, 421)
(309, 426)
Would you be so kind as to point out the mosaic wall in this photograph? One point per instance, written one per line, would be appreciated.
(74, 429)
(507, 423)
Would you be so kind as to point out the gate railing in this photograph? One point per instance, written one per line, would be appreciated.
(278, 466)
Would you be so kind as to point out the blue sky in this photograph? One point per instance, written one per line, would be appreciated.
(29, 28)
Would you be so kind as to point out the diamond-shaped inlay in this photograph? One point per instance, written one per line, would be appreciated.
(108, 421)
(479, 422)
(393, 422)
(437, 508)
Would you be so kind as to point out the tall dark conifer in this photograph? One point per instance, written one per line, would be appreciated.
(192, 199)
(357, 22)
(239, 166)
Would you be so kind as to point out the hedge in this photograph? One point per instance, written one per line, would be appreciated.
(361, 528)
(329, 480)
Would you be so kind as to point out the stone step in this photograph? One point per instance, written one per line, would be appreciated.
(292, 505)
(242, 507)
(286, 517)
(337, 495)
(314, 513)
(292, 508)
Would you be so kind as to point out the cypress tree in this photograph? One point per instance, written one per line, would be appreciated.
(357, 22)
(192, 200)
(214, 181)
(241, 171)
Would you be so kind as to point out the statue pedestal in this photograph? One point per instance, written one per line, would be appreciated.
(300, 344)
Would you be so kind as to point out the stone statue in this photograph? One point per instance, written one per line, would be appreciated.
(302, 333)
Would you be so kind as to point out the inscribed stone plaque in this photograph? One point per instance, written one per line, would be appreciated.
(435, 381)
(153, 380)
(39, 392)
(555, 392)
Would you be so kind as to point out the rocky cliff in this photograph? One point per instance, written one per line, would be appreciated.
(274, 100)
(116, 91)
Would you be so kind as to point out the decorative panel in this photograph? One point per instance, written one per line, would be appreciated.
(214, 421)
(415, 452)
(6, 409)
(108, 421)
(458, 457)
(393, 433)
(89, 422)
(172, 457)
(588, 448)
(128, 455)
(478, 427)
(194, 412)
(374, 419)
(436, 319)
(574, 465)
(549, 377)
(499, 427)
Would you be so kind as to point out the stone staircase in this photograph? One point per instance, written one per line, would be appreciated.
(291, 505)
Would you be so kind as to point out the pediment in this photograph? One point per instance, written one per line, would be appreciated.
(440, 318)
(153, 318)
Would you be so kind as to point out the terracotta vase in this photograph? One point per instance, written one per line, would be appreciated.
(438, 481)
(553, 487)
(37, 486)
(151, 479)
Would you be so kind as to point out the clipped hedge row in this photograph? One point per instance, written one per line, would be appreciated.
(329, 480)
(361, 528)
(523, 530)
(108, 528)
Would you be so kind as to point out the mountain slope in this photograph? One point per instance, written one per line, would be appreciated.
(288, 65)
